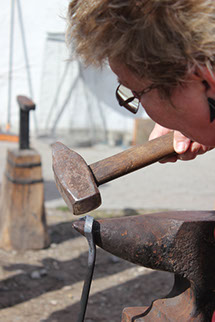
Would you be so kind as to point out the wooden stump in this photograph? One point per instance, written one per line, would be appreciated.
(22, 212)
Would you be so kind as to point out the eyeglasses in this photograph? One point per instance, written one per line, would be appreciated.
(130, 99)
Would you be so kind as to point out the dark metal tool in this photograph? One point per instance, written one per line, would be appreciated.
(78, 182)
(179, 242)
(88, 232)
(26, 105)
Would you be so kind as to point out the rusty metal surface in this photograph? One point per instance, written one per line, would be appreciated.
(74, 180)
(179, 242)
(179, 305)
(25, 103)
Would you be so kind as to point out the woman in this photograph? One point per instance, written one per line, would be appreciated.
(163, 51)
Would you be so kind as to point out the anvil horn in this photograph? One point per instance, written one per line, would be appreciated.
(179, 242)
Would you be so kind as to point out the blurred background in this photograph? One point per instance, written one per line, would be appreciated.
(69, 98)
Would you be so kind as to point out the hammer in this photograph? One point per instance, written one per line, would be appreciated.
(78, 182)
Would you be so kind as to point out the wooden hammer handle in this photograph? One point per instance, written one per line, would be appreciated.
(133, 159)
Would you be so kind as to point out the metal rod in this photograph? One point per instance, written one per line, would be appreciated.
(10, 78)
(88, 231)
(24, 130)
(26, 57)
(25, 106)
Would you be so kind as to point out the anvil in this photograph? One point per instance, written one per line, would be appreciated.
(179, 242)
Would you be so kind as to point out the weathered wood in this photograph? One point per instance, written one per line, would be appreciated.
(132, 159)
(22, 213)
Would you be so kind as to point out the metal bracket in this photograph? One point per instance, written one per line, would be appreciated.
(88, 231)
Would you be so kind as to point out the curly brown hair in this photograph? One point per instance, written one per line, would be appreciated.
(159, 40)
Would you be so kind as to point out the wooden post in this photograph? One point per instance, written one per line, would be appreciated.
(22, 211)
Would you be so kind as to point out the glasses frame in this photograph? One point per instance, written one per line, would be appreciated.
(137, 95)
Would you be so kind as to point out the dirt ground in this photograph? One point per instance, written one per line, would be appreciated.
(46, 285)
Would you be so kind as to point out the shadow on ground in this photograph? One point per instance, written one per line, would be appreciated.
(105, 305)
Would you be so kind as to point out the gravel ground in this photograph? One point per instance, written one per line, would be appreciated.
(46, 285)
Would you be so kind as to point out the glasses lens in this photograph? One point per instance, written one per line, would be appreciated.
(126, 98)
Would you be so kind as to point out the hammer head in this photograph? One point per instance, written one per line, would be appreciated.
(74, 180)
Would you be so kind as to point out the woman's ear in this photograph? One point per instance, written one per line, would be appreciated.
(207, 77)
(211, 104)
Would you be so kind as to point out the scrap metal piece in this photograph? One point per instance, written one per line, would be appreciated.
(88, 231)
